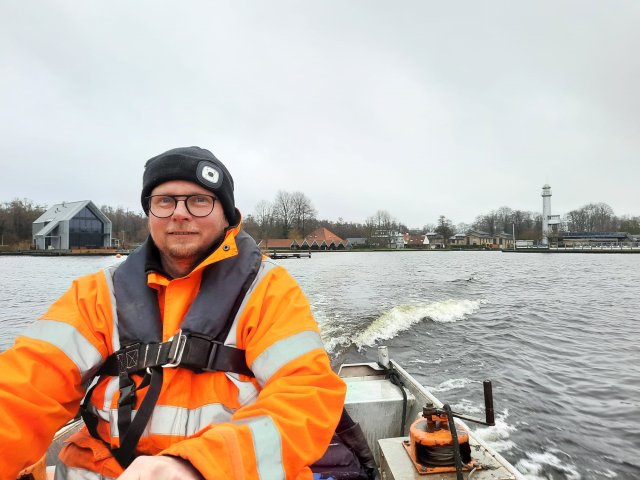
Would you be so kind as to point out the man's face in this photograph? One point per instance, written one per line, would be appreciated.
(182, 236)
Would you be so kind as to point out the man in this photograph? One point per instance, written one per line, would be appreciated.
(199, 358)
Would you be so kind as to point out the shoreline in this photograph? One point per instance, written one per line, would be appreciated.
(282, 254)
(65, 253)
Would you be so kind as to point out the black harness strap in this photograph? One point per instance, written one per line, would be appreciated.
(194, 351)
(126, 452)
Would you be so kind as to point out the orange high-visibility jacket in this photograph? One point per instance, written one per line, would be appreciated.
(227, 425)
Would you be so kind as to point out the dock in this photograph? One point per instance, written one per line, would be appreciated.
(577, 249)
(278, 255)
(97, 252)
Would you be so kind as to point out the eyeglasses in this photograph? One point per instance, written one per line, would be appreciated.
(198, 205)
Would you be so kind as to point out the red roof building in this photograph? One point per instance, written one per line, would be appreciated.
(319, 239)
(323, 239)
(278, 244)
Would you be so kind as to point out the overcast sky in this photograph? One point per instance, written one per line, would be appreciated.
(421, 108)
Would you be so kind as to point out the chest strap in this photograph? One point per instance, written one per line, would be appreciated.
(194, 351)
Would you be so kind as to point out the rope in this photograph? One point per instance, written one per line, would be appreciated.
(395, 379)
(456, 445)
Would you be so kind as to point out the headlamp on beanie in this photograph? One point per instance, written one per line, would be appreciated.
(195, 165)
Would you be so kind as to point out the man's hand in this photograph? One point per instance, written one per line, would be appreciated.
(160, 468)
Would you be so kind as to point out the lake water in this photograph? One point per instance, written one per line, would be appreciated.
(557, 334)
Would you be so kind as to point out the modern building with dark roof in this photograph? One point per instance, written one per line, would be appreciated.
(593, 238)
(70, 225)
(357, 242)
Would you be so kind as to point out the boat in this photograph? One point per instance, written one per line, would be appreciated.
(395, 412)
(376, 401)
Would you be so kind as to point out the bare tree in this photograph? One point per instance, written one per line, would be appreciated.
(506, 220)
(445, 228)
(130, 227)
(462, 227)
(380, 227)
(283, 211)
(630, 225)
(302, 212)
(383, 220)
(593, 217)
(263, 217)
(16, 219)
(486, 222)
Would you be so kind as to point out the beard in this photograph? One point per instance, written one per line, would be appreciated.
(190, 249)
(182, 245)
(184, 252)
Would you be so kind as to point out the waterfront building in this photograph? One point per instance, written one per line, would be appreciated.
(278, 244)
(436, 240)
(476, 237)
(387, 238)
(416, 240)
(457, 239)
(503, 240)
(319, 239)
(69, 225)
(324, 239)
(357, 242)
(598, 239)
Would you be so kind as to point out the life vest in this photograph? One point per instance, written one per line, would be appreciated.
(198, 345)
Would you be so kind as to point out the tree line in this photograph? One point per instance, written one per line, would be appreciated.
(292, 215)
(593, 217)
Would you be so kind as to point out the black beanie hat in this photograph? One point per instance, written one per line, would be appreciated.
(196, 165)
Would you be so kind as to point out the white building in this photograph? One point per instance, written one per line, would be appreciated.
(548, 221)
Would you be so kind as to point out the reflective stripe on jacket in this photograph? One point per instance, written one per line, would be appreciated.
(226, 425)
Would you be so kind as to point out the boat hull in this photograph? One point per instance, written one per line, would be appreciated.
(377, 405)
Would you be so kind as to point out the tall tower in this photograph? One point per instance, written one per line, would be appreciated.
(546, 213)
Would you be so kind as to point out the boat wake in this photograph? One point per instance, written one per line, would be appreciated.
(451, 384)
(403, 317)
(538, 465)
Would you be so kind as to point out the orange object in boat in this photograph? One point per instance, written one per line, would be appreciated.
(430, 444)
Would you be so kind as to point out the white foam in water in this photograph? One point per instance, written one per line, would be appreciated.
(606, 474)
(333, 341)
(419, 361)
(331, 331)
(468, 407)
(451, 384)
(403, 317)
(333, 335)
(498, 435)
(532, 466)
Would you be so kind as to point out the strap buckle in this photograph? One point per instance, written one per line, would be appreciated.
(178, 342)
(212, 357)
(128, 359)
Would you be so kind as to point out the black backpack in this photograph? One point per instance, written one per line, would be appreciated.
(348, 456)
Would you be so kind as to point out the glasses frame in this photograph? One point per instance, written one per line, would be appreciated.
(181, 198)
